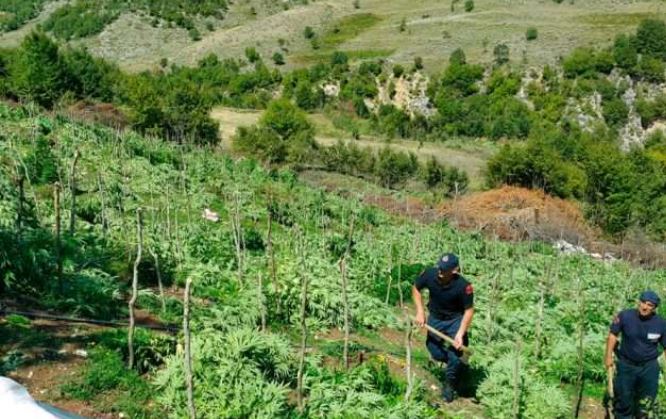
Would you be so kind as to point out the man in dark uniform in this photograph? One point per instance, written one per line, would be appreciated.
(450, 307)
(637, 379)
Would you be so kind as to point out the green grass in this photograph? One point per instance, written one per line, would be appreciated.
(618, 19)
(364, 54)
(347, 28)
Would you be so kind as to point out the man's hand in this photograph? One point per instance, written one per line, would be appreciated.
(608, 362)
(420, 319)
(458, 341)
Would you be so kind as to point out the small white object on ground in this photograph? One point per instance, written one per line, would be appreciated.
(211, 215)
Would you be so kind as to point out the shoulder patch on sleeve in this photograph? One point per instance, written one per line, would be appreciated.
(469, 289)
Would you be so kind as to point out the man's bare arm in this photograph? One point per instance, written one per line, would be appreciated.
(464, 326)
(418, 302)
(611, 341)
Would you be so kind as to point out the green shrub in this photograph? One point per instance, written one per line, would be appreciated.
(651, 38)
(501, 54)
(104, 371)
(651, 110)
(17, 13)
(278, 58)
(625, 51)
(615, 112)
(38, 73)
(531, 34)
(398, 71)
(394, 168)
(651, 69)
(252, 55)
(403, 25)
(308, 32)
(469, 5)
(282, 134)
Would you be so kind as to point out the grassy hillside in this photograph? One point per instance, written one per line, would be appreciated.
(119, 172)
(432, 30)
(469, 156)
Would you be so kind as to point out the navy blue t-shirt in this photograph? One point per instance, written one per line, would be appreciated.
(640, 336)
(446, 301)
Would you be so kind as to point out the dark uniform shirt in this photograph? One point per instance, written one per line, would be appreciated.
(446, 301)
(640, 336)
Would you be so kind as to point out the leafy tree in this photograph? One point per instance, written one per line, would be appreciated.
(462, 79)
(651, 110)
(501, 54)
(38, 72)
(393, 168)
(282, 134)
(581, 62)
(625, 52)
(307, 96)
(469, 5)
(650, 69)
(509, 118)
(392, 121)
(90, 77)
(457, 57)
(651, 38)
(615, 112)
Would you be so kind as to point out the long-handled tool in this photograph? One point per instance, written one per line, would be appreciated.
(467, 352)
(610, 372)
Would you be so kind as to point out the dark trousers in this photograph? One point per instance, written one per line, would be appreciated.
(636, 387)
(442, 351)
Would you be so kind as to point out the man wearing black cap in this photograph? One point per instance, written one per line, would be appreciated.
(450, 307)
(637, 379)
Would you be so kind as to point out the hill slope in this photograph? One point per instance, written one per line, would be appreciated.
(431, 30)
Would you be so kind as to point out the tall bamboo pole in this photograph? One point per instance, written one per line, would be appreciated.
(189, 380)
(72, 193)
(135, 288)
(58, 244)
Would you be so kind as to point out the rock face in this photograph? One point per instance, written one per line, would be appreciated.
(407, 92)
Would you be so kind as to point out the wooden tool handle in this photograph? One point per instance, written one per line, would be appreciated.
(446, 338)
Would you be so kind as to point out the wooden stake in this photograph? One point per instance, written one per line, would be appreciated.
(102, 200)
(135, 290)
(304, 332)
(58, 245)
(189, 380)
(581, 350)
(260, 300)
(271, 253)
(238, 237)
(408, 359)
(72, 192)
(158, 272)
(345, 303)
(516, 384)
(19, 215)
